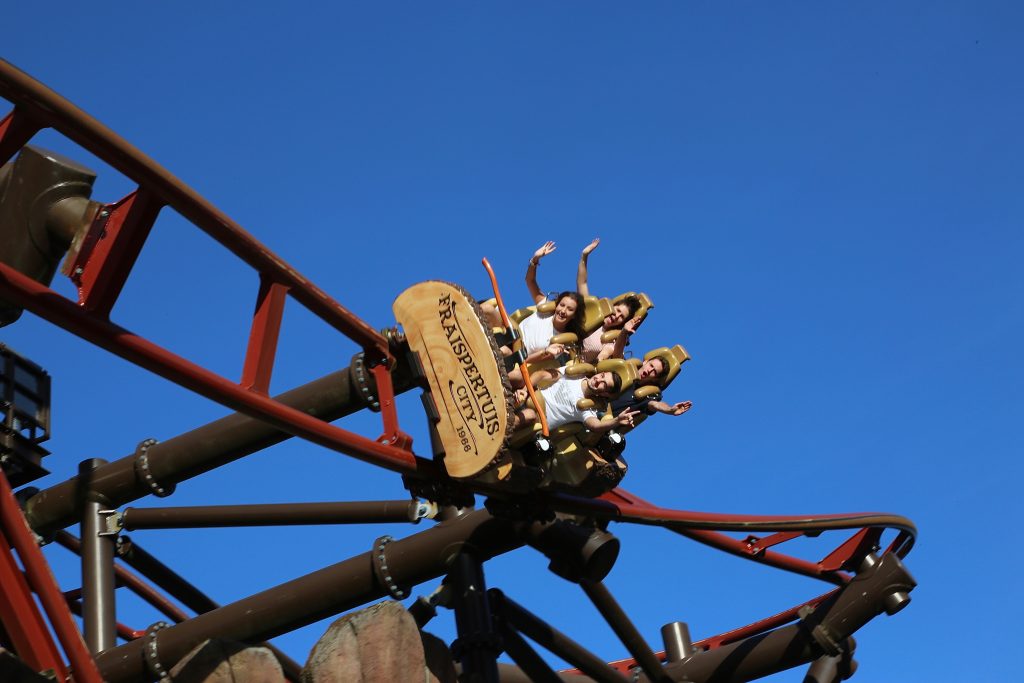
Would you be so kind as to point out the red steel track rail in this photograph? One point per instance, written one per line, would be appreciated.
(102, 267)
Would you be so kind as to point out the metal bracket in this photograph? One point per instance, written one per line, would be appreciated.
(381, 571)
(152, 658)
(425, 509)
(360, 375)
(142, 470)
(819, 633)
(110, 522)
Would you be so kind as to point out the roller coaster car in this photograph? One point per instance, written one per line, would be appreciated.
(472, 401)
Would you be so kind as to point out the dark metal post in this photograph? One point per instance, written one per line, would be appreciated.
(625, 630)
(98, 613)
(678, 645)
(478, 646)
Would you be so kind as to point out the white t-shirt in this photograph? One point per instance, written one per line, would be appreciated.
(560, 402)
(537, 330)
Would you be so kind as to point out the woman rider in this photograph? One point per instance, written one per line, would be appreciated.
(538, 328)
(623, 317)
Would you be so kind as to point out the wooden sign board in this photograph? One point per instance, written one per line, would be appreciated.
(467, 382)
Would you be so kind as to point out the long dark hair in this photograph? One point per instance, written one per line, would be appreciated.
(576, 322)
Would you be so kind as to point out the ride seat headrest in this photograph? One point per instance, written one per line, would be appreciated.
(674, 357)
(565, 338)
(649, 390)
(547, 306)
(645, 307)
(594, 312)
(645, 303)
(625, 370)
(522, 314)
(579, 370)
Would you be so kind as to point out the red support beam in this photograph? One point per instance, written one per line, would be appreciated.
(46, 106)
(393, 435)
(22, 619)
(37, 572)
(16, 129)
(266, 327)
(859, 544)
(110, 248)
(49, 305)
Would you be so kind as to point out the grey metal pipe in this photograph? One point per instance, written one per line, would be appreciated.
(99, 618)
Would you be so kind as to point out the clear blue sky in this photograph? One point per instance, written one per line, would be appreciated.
(823, 200)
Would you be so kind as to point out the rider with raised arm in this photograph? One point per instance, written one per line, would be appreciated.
(562, 397)
(538, 328)
(623, 317)
(651, 373)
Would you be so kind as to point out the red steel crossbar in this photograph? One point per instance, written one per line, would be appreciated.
(37, 573)
(111, 244)
(51, 306)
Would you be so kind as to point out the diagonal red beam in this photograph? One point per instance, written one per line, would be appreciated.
(16, 129)
(21, 618)
(858, 544)
(51, 306)
(47, 107)
(37, 572)
(266, 327)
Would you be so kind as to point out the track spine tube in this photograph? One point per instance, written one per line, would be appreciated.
(200, 450)
(348, 584)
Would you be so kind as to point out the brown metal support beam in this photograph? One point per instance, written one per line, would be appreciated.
(201, 450)
(477, 647)
(358, 512)
(99, 617)
(625, 630)
(532, 664)
(552, 639)
(343, 586)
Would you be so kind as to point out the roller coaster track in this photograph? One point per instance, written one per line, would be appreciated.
(818, 629)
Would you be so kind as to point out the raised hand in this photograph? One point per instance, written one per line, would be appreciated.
(682, 407)
(592, 246)
(544, 250)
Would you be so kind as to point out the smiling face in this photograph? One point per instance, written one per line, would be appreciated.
(565, 310)
(601, 384)
(617, 318)
(651, 370)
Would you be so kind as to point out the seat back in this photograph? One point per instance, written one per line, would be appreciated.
(594, 312)
(626, 370)
(674, 357)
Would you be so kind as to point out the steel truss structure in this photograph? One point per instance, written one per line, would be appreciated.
(571, 531)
